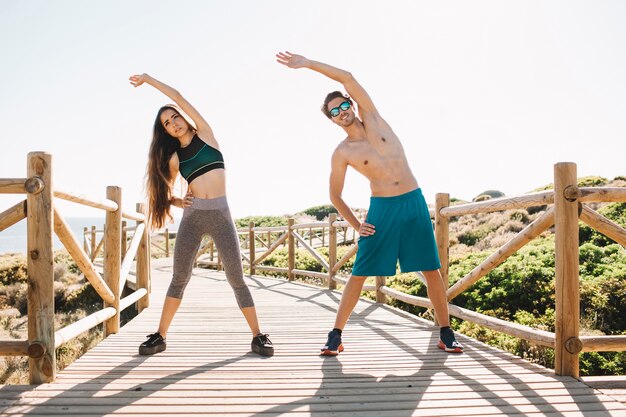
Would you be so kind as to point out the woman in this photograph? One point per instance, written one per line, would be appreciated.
(178, 146)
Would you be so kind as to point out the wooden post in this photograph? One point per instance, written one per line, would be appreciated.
(113, 256)
(85, 245)
(124, 239)
(94, 242)
(167, 242)
(211, 249)
(143, 262)
(332, 249)
(40, 265)
(380, 297)
(291, 263)
(566, 272)
(251, 246)
(442, 235)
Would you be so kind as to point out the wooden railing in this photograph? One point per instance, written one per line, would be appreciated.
(93, 241)
(43, 219)
(564, 209)
(259, 242)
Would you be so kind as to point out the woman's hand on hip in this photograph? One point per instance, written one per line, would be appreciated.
(188, 199)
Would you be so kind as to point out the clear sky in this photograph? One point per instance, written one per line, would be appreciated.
(483, 94)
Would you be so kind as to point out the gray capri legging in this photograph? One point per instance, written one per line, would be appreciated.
(212, 217)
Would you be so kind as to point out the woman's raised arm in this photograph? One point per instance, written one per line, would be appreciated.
(204, 129)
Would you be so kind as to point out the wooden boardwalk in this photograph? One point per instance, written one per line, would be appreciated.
(391, 366)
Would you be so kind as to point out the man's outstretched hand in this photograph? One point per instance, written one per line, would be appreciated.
(291, 60)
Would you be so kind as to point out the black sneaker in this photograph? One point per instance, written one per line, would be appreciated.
(262, 345)
(333, 345)
(154, 344)
(448, 342)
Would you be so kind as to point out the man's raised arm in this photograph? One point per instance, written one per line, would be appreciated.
(353, 88)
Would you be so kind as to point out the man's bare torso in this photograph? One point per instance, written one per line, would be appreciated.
(380, 158)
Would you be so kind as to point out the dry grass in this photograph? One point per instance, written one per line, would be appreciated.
(13, 295)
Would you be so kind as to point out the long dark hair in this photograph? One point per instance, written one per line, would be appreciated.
(158, 181)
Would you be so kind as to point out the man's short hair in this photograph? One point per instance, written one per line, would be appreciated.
(330, 97)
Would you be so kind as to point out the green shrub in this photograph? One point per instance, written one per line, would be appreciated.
(481, 197)
(320, 212)
(13, 269)
(472, 236)
(261, 221)
(493, 193)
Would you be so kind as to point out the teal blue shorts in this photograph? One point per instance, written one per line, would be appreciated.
(404, 232)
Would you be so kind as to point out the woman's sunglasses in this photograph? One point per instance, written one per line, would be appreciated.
(345, 106)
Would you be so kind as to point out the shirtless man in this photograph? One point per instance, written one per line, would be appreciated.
(398, 225)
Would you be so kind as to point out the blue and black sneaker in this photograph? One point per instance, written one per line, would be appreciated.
(333, 345)
(154, 344)
(448, 342)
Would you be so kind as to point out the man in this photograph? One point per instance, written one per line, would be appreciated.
(398, 225)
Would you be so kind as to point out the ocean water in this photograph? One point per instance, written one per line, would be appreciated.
(13, 239)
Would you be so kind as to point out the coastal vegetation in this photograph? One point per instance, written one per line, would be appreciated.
(520, 290)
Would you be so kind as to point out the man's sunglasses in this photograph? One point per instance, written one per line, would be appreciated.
(345, 106)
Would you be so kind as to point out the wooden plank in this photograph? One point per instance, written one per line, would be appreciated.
(272, 248)
(602, 194)
(13, 347)
(566, 268)
(113, 256)
(79, 256)
(604, 225)
(12, 185)
(106, 205)
(498, 204)
(12, 215)
(143, 263)
(40, 265)
(442, 232)
(312, 251)
(603, 343)
(200, 374)
(530, 232)
(130, 255)
(76, 329)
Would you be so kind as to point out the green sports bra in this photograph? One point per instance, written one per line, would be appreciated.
(197, 158)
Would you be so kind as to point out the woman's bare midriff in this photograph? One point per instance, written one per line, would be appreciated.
(211, 184)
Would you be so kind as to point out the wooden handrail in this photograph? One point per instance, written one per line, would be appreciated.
(597, 194)
(523, 237)
(14, 347)
(86, 323)
(12, 215)
(130, 255)
(42, 218)
(499, 204)
(311, 250)
(12, 185)
(66, 237)
(106, 205)
(604, 225)
(603, 343)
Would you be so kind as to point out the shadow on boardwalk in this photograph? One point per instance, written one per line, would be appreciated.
(346, 388)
